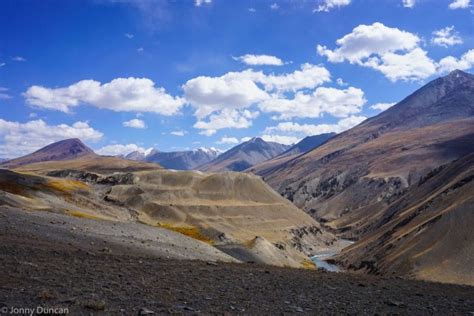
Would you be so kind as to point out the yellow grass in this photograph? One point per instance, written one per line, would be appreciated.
(84, 215)
(308, 264)
(192, 232)
(67, 186)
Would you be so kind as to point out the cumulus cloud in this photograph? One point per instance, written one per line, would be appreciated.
(459, 4)
(226, 118)
(316, 129)
(121, 150)
(328, 5)
(446, 37)
(135, 123)
(228, 140)
(274, 6)
(257, 60)
(393, 52)
(382, 106)
(19, 139)
(129, 35)
(336, 102)
(245, 139)
(367, 41)
(450, 63)
(121, 94)
(409, 3)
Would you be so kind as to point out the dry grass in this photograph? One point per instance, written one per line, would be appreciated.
(80, 214)
(308, 264)
(192, 232)
(67, 186)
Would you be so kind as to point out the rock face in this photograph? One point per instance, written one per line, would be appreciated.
(245, 155)
(67, 149)
(349, 182)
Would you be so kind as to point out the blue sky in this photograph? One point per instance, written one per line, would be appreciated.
(173, 75)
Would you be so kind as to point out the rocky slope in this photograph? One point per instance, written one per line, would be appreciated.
(426, 233)
(228, 210)
(245, 155)
(348, 182)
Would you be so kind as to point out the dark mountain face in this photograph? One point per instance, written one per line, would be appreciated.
(183, 160)
(67, 149)
(308, 143)
(362, 169)
(245, 155)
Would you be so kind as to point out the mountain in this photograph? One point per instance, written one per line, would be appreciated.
(67, 149)
(183, 160)
(348, 182)
(245, 155)
(306, 144)
(138, 155)
(426, 233)
(196, 215)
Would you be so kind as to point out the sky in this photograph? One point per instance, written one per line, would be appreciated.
(127, 75)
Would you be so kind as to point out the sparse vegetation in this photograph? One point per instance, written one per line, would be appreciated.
(192, 232)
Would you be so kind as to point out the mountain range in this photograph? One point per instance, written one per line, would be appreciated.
(366, 181)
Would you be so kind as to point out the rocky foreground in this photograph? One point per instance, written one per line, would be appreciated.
(87, 277)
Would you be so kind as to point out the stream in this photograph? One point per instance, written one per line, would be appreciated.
(320, 258)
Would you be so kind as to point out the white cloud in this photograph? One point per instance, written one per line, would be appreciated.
(274, 6)
(228, 140)
(459, 4)
(336, 102)
(18, 58)
(179, 133)
(121, 94)
(119, 150)
(393, 52)
(134, 123)
(4, 94)
(256, 60)
(198, 3)
(2, 64)
(451, 63)
(245, 139)
(316, 129)
(252, 10)
(19, 139)
(234, 90)
(365, 41)
(140, 49)
(409, 3)
(446, 37)
(281, 139)
(129, 35)
(412, 66)
(226, 118)
(328, 5)
(382, 106)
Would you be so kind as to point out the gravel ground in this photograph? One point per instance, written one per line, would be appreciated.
(84, 280)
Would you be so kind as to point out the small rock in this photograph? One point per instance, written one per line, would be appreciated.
(145, 311)
(210, 263)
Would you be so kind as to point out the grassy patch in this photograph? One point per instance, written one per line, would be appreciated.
(308, 264)
(67, 186)
(192, 232)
